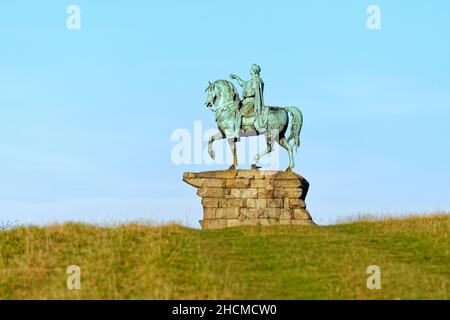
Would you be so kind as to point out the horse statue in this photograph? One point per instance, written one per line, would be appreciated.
(224, 100)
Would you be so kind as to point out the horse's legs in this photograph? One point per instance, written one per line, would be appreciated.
(213, 138)
(283, 142)
(232, 143)
(269, 141)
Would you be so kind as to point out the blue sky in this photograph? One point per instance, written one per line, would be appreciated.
(86, 116)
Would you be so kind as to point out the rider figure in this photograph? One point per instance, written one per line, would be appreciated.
(253, 98)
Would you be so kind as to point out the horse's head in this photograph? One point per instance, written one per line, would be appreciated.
(224, 93)
(212, 95)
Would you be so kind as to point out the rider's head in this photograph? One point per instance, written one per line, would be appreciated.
(255, 69)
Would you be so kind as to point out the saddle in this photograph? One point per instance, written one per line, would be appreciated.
(248, 121)
(247, 113)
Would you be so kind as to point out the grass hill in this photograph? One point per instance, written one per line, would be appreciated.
(280, 262)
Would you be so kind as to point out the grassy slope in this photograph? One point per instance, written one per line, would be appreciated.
(281, 262)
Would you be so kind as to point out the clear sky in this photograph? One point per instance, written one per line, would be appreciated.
(86, 116)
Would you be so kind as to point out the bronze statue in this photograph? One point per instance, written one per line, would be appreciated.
(250, 117)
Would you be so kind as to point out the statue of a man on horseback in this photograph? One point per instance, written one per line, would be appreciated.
(253, 99)
(250, 117)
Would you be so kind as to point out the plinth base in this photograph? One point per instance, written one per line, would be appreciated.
(234, 198)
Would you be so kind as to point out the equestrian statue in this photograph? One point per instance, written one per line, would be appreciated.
(237, 118)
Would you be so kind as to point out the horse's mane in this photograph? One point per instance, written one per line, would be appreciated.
(228, 85)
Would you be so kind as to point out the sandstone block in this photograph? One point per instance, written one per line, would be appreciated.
(188, 175)
(287, 193)
(285, 214)
(273, 213)
(265, 193)
(237, 183)
(301, 214)
(227, 213)
(286, 203)
(251, 213)
(248, 174)
(275, 203)
(222, 174)
(210, 192)
(213, 223)
(232, 202)
(244, 193)
(233, 223)
(259, 183)
(256, 203)
(281, 175)
(202, 182)
(286, 183)
(213, 183)
(209, 213)
(297, 204)
(252, 222)
(210, 202)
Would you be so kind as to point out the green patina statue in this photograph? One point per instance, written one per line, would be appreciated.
(250, 117)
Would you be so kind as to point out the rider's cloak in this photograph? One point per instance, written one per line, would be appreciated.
(262, 112)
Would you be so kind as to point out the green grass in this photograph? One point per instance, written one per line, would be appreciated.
(279, 262)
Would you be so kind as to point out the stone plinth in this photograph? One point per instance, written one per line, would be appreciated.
(250, 197)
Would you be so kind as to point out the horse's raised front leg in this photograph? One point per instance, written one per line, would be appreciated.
(213, 138)
(232, 143)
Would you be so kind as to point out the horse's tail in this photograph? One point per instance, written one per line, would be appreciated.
(296, 118)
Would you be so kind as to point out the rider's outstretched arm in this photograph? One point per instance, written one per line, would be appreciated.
(241, 82)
